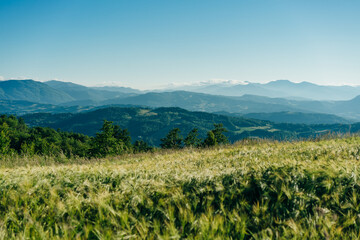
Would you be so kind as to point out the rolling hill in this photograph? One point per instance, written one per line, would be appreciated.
(201, 102)
(85, 95)
(55, 92)
(252, 190)
(244, 104)
(153, 124)
(20, 107)
(298, 117)
(32, 91)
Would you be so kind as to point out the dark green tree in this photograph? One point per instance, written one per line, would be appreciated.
(216, 136)
(141, 146)
(16, 136)
(47, 141)
(218, 133)
(210, 140)
(192, 139)
(124, 136)
(4, 139)
(173, 140)
(105, 142)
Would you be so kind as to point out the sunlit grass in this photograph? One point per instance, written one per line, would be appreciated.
(253, 189)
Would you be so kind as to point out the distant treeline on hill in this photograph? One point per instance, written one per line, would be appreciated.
(150, 125)
(17, 138)
(137, 129)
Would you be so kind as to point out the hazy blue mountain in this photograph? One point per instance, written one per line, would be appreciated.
(119, 89)
(279, 89)
(84, 95)
(71, 95)
(298, 117)
(32, 91)
(244, 104)
(305, 106)
(20, 107)
(313, 91)
(226, 88)
(351, 106)
(201, 102)
(348, 109)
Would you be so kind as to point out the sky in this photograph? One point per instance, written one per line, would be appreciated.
(146, 44)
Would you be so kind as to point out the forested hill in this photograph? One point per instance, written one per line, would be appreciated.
(298, 117)
(33, 91)
(151, 125)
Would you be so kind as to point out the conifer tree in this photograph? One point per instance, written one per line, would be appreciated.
(216, 136)
(192, 139)
(209, 140)
(105, 142)
(141, 146)
(173, 140)
(124, 136)
(218, 133)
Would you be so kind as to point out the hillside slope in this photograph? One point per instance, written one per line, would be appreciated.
(298, 117)
(153, 124)
(84, 95)
(20, 107)
(32, 91)
(202, 102)
(260, 190)
(244, 104)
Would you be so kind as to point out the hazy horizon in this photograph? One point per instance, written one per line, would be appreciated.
(151, 44)
(184, 84)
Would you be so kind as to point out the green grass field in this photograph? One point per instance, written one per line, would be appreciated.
(250, 190)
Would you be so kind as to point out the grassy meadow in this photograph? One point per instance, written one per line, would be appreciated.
(249, 190)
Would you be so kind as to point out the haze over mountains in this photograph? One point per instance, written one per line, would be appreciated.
(277, 89)
(279, 101)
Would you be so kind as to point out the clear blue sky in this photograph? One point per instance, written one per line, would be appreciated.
(147, 43)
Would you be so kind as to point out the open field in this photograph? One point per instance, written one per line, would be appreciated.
(252, 189)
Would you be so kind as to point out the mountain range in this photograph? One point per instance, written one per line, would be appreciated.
(277, 89)
(29, 90)
(244, 104)
(57, 92)
(28, 96)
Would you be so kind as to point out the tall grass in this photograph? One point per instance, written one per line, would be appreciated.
(254, 189)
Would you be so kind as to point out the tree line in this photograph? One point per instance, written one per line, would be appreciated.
(17, 138)
(174, 140)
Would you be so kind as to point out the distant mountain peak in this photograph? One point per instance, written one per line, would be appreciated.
(33, 91)
(18, 80)
(281, 81)
(223, 82)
